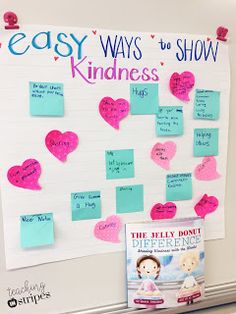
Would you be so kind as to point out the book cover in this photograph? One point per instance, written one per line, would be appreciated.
(165, 263)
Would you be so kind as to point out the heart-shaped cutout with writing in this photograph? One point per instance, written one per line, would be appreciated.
(161, 154)
(108, 230)
(206, 205)
(182, 84)
(25, 176)
(206, 171)
(163, 211)
(113, 111)
(61, 144)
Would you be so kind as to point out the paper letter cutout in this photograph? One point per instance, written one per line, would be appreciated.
(86, 205)
(129, 199)
(37, 230)
(144, 98)
(25, 176)
(161, 154)
(166, 211)
(205, 142)
(181, 85)
(61, 144)
(113, 111)
(46, 99)
(206, 171)
(119, 164)
(179, 186)
(206, 205)
(169, 121)
(109, 229)
(206, 104)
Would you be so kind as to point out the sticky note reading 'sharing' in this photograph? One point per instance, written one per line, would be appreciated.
(37, 230)
(129, 198)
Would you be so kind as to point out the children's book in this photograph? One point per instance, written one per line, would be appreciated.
(165, 263)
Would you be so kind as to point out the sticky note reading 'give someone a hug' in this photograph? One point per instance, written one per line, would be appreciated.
(144, 98)
(179, 186)
(119, 163)
(36, 230)
(46, 99)
(86, 205)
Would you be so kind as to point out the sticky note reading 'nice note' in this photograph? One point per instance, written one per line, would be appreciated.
(86, 205)
(37, 230)
(119, 163)
(179, 186)
(169, 121)
(206, 104)
(144, 98)
(46, 99)
(129, 199)
(205, 142)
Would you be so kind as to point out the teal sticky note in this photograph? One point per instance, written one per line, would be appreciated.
(179, 186)
(169, 121)
(129, 199)
(205, 142)
(119, 163)
(86, 205)
(206, 104)
(36, 230)
(144, 98)
(46, 99)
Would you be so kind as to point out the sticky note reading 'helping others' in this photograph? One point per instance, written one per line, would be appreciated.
(205, 142)
(86, 205)
(206, 104)
(36, 230)
(119, 163)
(46, 99)
(179, 186)
(129, 199)
(144, 98)
(169, 121)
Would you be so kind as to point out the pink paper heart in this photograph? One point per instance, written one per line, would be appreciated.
(181, 84)
(206, 205)
(61, 144)
(113, 111)
(109, 229)
(163, 153)
(166, 211)
(25, 176)
(207, 169)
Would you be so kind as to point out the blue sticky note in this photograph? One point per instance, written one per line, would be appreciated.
(86, 205)
(46, 99)
(36, 230)
(206, 104)
(179, 186)
(119, 163)
(129, 199)
(144, 98)
(169, 121)
(205, 142)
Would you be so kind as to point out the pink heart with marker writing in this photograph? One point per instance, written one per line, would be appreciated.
(108, 230)
(166, 211)
(61, 144)
(207, 169)
(113, 111)
(206, 205)
(161, 154)
(182, 84)
(25, 176)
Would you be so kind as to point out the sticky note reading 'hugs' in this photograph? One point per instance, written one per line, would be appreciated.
(119, 163)
(86, 205)
(205, 142)
(129, 199)
(206, 104)
(37, 230)
(144, 98)
(179, 186)
(46, 99)
(169, 121)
